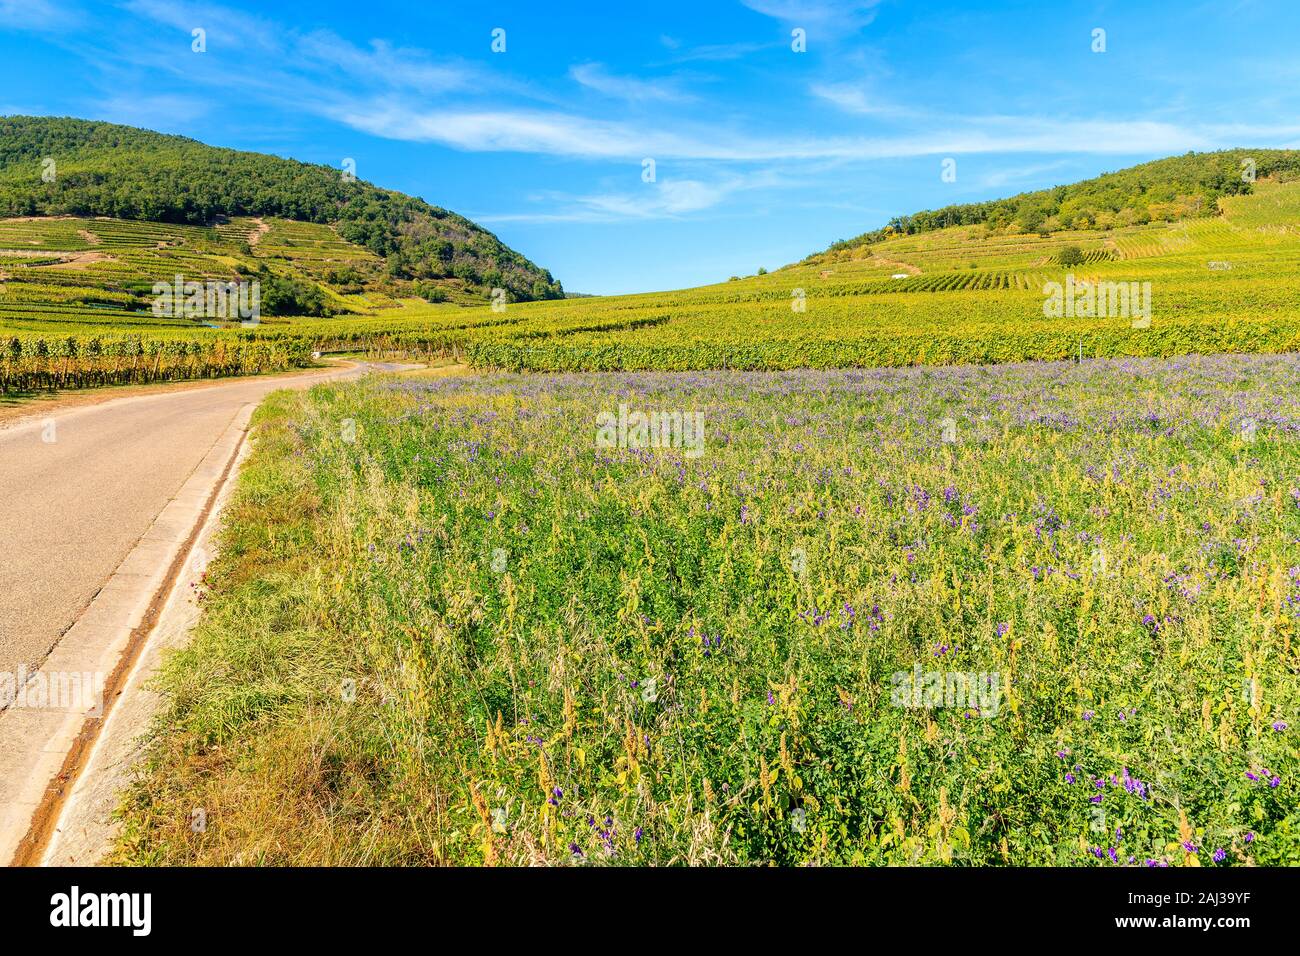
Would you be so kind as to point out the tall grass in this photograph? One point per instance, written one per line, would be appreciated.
(447, 628)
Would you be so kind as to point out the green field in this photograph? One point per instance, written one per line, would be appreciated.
(449, 625)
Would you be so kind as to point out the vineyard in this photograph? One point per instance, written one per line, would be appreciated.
(33, 363)
(76, 298)
(76, 294)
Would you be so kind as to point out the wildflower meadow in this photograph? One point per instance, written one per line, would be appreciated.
(1033, 614)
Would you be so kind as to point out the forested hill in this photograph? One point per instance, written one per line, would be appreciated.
(1166, 189)
(102, 169)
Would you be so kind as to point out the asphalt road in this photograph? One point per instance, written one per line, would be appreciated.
(78, 489)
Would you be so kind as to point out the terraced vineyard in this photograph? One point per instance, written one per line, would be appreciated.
(76, 297)
(80, 289)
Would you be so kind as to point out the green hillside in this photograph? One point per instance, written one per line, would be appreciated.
(1165, 190)
(59, 166)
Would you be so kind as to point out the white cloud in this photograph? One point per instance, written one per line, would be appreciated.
(497, 130)
(668, 199)
(313, 71)
(719, 52)
(845, 14)
(162, 112)
(1013, 174)
(561, 134)
(854, 98)
(38, 15)
(633, 89)
(228, 31)
(386, 65)
(655, 201)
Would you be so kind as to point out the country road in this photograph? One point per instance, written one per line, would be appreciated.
(79, 489)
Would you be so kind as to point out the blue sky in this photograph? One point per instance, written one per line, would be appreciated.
(762, 154)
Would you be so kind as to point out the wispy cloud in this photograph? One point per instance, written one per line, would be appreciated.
(382, 64)
(719, 52)
(312, 70)
(164, 112)
(632, 89)
(39, 15)
(670, 199)
(855, 98)
(1015, 174)
(561, 134)
(842, 14)
(226, 30)
(384, 88)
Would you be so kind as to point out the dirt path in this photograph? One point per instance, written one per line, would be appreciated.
(896, 264)
(67, 260)
(80, 260)
(261, 229)
(29, 253)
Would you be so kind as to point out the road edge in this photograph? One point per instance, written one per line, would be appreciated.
(85, 829)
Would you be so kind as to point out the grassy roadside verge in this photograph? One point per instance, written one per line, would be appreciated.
(445, 628)
(275, 733)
